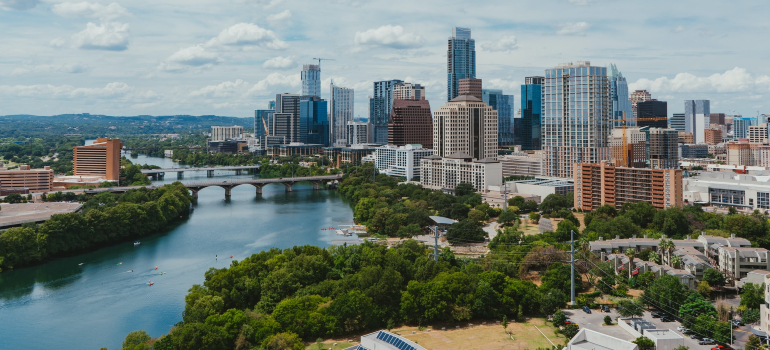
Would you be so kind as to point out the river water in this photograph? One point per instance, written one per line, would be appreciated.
(64, 305)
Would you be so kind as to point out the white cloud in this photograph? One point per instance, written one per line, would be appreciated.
(280, 17)
(49, 68)
(580, 2)
(19, 5)
(576, 28)
(734, 80)
(508, 86)
(280, 63)
(225, 89)
(263, 3)
(389, 36)
(58, 42)
(112, 36)
(505, 44)
(247, 34)
(111, 90)
(89, 10)
(193, 56)
(272, 82)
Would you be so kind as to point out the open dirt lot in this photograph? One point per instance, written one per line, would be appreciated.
(490, 336)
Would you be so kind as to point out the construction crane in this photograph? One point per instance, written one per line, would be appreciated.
(322, 59)
(625, 140)
(267, 132)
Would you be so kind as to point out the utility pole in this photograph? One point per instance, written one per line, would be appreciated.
(435, 243)
(572, 265)
(505, 195)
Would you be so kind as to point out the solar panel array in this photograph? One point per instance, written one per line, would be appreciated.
(395, 341)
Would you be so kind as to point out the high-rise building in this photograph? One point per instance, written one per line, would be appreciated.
(757, 133)
(638, 96)
(465, 125)
(312, 112)
(632, 152)
(662, 148)
(469, 86)
(697, 114)
(379, 109)
(677, 122)
(286, 121)
(714, 136)
(311, 80)
(652, 110)
(359, 133)
(717, 118)
(620, 100)
(461, 60)
(408, 91)
(263, 120)
(400, 161)
(605, 184)
(447, 173)
(741, 127)
(577, 117)
(102, 158)
(411, 123)
(503, 104)
(224, 133)
(531, 110)
(342, 101)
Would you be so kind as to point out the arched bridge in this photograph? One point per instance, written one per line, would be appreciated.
(259, 183)
(158, 174)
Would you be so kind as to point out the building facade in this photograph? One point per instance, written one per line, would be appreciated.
(400, 161)
(311, 80)
(639, 96)
(438, 173)
(677, 122)
(576, 119)
(531, 112)
(693, 151)
(102, 159)
(461, 60)
(714, 136)
(697, 114)
(522, 164)
(411, 123)
(341, 102)
(34, 180)
(359, 133)
(263, 121)
(621, 103)
(469, 86)
(503, 104)
(313, 114)
(757, 133)
(741, 127)
(662, 148)
(604, 183)
(380, 105)
(465, 125)
(408, 91)
(657, 110)
(223, 133)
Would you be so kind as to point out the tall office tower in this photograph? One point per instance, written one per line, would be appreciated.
(766, 119)
(503, 104)
(379, 109)
(271, 105)
(461, 60)
(662, 148)
(741, 127)
(620, 99)
(341, 113)
(639, 96)
(469, 86)
(311, 80)
(102, 158)
(312, 112)
(465, 125)
(408, 91)
(531, 110)
(652, 109)
(358, 133)
(286, 118)
(263, 119)
(677, 122)
(411, 123)
(697, 115)
(577, 117)
(717, 118)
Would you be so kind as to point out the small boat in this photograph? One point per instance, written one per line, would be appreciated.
(120, 263)
(81, 264)
(151, 283)
(156, 267)
(137, 243)
(231, 256)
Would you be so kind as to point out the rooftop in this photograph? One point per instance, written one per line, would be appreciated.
(17, 214)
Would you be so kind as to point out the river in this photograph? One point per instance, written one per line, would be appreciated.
(64, 305)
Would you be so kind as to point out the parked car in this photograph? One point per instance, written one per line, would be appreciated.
(721, 347)
(586, 309)
(695, 336)
(706, 341)
(737, 323)
(656, 315)
(666, 318)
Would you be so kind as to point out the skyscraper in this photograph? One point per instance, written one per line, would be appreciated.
(620, 99)
(286, 118)
(652, 110)
(741, 127)
(577, 117)
(503, 104)
(465, 125)
(408, 91)
(410, 123)
(379, 109)
(341, 113)
(531, 107)
(312, 112)
(677, 122)
(697, 115)
(461, 59)
(263, 119)
(639, 96)
(469, 86)
(662, 148)
(311, 80)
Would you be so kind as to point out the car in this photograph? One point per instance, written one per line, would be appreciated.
(656, 315)
(706, 341)
(667, 318)
(695, 336)
(721, 347)
(737, 323)
(680, 328)
(605, 308)
(586, 309)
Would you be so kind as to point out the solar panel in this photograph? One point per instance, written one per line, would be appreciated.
(395, 341)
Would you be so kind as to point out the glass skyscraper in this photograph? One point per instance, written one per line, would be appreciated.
(312, 114)
(263, 119)
(380, 105)
(697, 117)
(531, 107)
(677, 122)
(461, 59)
(741, 127)
(619, 96)
(503, 104)
(311, 80)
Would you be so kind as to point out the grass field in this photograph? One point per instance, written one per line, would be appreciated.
(330, 345)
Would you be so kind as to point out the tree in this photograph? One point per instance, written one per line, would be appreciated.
(570, 330)
(135, 338)
(507, 217)
(654, 257)
(752, 295)
(695, 306)
(284, 341)
(753, 343)
(704, 289)
(713, 277)
(630, 308)
(682, 347)
(750, 316)
(463, 189)
(465, 231)
(13, 198)
(505, 323)
(552, 300)
(608, 320)
(630, 253)
(644, 343)
(477, 215)
(554, 202)
(559, 318)
(534, 217)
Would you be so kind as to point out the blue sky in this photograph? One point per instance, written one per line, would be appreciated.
(229, 57)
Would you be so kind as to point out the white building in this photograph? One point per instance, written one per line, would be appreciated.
(521, 163)
(341, 105)
(439, 173)
(465, 125)
(736, 263)
(403, 161)
(224, 133)
(587, 339)
(408, 91)
(725, 188)
(359, 133)
(764, 309)
(384, 340)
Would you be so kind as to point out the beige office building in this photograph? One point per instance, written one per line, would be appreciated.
(438, 173)
(224, 133)
(36, 180)
(465, 125)
(100, 159)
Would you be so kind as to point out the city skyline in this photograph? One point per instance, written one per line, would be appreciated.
(115, 58)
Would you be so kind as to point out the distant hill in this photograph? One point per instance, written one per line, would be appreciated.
(92, 125)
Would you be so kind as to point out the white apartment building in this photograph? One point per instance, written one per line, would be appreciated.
(764, 309)
(224, 133)
(521, 163)
(465, 125)
(725, 188)
(408, 91)
(341, 106)
(757, 133)
(359, 133)
(439, 173)
(735, 263)
(403, 161)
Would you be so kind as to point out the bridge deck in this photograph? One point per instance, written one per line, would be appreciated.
(171, 170)
(261, 181)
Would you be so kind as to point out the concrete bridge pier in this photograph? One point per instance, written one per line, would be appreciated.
(227, 191)
(179, 175)
(316, 185)
(194, 192)
(238, 171)
(259, 188)
(209, 173)
(288, 186)
(160, 176)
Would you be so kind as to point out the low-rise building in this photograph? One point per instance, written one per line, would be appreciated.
(229, 146)
(438, 173)
(690, 150)
(24, 177)
(294, 148)
(384, 340)
(400, 161)
(728, 189)
(764, 308)
(521, 163)
(587, 339)
(541, 187)
(735, 263)
(348, 155)
(604, 183)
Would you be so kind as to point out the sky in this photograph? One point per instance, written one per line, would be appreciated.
(230, 57)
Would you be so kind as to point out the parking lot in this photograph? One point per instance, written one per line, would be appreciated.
(595, 320)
